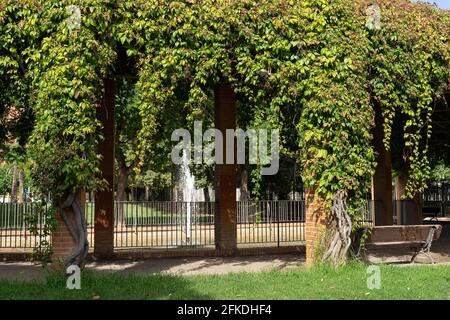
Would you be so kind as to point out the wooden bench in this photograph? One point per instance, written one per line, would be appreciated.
(417, 237)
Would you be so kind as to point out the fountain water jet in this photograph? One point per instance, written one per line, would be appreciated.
(189, 193)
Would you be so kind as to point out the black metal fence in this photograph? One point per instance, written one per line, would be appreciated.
(367, 213)
(166, 224)
(14, 225)
(436, 200)
(270, 221)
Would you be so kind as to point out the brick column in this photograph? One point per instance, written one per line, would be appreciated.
(316, 225)
(62, 242)
(104, 199)
(225, 174)
(409, 211)
(382, 179)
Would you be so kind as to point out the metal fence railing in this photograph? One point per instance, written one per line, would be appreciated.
(367, 213)
(167, 224)
(89, 211)
(439, 192)
(270, 221)
(14, 225)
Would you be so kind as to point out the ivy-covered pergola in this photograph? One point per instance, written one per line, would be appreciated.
(349, 69)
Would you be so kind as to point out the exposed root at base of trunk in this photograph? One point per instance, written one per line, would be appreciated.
(338, 241)
(77, 229)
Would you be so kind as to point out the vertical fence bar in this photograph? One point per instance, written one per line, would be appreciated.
(278, 227)
(2, 214)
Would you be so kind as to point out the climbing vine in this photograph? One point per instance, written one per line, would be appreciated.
(409, 70)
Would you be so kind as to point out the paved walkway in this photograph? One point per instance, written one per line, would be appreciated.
(217, 265)
(20, 271)
(440, 251)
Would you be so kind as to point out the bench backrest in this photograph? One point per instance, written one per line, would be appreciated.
(411, 233)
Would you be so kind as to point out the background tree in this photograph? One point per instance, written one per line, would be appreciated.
(128, 124)
(5, 180)
(441, 172)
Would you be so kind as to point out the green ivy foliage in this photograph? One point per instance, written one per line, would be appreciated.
(440, 172)
(281, 57)
(66, 68)
(15, 109)
(409, 68)
(312, 62)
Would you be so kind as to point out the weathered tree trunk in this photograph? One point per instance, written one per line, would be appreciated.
(244, 183)
(245, 215)
(77, 228)
(21, 198)
(338, 240)
(206, 194)
(147, 194)
(15, 184)
(121, 187)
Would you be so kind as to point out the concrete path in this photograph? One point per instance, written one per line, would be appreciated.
(20, 271)
(440, 252)
(222, 265)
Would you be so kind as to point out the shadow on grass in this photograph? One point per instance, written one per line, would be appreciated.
(96, 286)
(320, 282)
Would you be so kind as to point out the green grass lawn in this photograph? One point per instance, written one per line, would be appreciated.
(350, 282)
(13, 215)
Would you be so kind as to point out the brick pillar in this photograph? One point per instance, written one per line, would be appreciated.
(62, 242)
(382, 179)
(225, 174)
(409, 211)
(104, 199)
(316, 225)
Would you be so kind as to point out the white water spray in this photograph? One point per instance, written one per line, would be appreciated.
(189, 193)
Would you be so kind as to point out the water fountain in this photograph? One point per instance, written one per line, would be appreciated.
(189, 193)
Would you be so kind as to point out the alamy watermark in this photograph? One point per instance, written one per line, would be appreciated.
(74, 277)
(212, 141)
(374, 277)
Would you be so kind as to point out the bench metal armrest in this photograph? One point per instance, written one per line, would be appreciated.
(427, 245)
